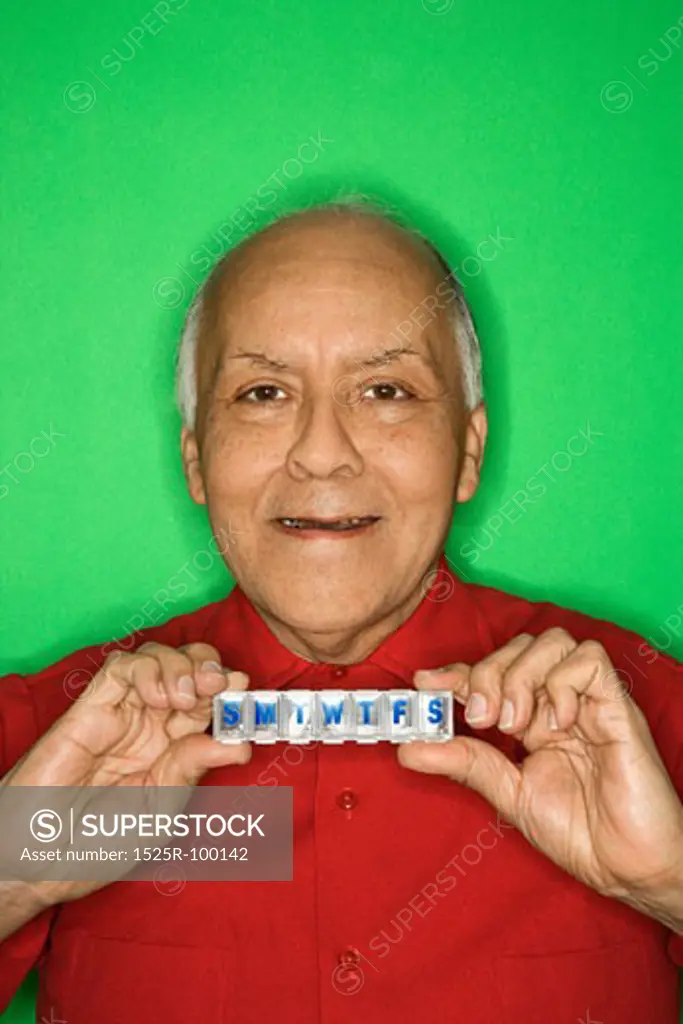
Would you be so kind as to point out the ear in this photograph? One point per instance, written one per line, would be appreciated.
(192, 466)
(475, 442)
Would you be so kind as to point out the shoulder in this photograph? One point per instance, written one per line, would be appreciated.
(653, 679)
(31, 703)
(509, 614)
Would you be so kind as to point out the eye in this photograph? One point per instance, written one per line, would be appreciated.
(260, 393)
(386, 391)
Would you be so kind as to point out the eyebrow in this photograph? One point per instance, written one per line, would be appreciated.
(380, 358)
(390, 355)
(260, 359)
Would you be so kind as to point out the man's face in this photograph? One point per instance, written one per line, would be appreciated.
(327, 455)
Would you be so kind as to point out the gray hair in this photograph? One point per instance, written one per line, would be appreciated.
(458, 312)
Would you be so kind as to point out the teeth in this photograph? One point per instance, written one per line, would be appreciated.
(338, 524)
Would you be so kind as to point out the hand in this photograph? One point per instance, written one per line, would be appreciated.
(592, 793)
(140, 722)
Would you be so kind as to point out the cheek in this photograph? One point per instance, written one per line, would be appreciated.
(419, 464)
(237, 463)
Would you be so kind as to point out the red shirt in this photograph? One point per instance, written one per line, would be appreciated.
(410, 900)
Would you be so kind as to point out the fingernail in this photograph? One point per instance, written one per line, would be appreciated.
(186, 686)
(476, 708)
(425, 674)
(507, 715)
(552, 718)
(211, 666)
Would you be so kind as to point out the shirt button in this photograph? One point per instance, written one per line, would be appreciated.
(347, 800)
(349, 957)
(347, 977)
(339, 672)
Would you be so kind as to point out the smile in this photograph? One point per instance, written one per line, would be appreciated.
(350, 524)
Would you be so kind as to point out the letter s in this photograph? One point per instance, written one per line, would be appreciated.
(89, 825)
(114, 66)
(231, 714)
(443, 878)
(376, 948)
(652, 63)
(435, 711)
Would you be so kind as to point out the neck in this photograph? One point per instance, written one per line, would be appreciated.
(349, 646)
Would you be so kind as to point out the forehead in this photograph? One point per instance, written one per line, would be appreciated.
(320, 272)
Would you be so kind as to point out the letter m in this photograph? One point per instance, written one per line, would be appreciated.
(265, 713)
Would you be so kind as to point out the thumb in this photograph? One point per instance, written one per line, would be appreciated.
(186, 760)
(472, 762)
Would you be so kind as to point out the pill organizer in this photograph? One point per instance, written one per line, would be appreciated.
(332, 716)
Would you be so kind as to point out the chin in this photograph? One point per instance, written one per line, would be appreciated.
(315, 605)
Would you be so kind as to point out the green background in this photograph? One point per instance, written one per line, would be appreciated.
(556, 128)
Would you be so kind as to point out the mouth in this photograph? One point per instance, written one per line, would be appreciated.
(339, 525)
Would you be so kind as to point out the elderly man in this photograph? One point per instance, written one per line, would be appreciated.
(530, 869)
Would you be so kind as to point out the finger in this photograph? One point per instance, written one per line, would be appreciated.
(542, 728)
(198, 718)
(110, 685)
(485, 706)
(527, 674)
(588, 672)
(209, 674)
(169, 670)
(148, 682)
(453, 677)
(187, 673)
(154, 673)
(472, 762)
(518, 690)
(189, 758)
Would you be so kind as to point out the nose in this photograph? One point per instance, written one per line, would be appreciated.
(323, 444)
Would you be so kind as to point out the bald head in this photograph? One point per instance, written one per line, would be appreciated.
(332, 234)
(321, 255)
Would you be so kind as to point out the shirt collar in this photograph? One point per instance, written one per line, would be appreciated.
(446, 626)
